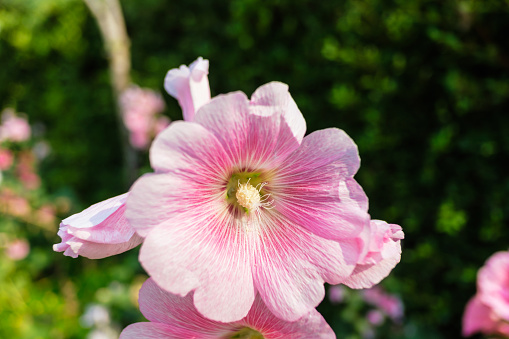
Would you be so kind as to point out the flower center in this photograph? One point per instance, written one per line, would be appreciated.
(248, 196)
(245, 192)
(246, 333)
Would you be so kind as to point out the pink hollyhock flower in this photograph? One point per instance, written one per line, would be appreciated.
(190, 86)
(26, 170)
(161, 124)
(140, 107)
(375, 317)
(99, 231)
(46, 214)
(382, 244)
(14, 128)
(14, 205)
(176, 317)
(242, 204)
(488, 310)
(480, 318)
(139, 140)
(18, 249)
(388, 303)
(336, 294)
(6, 159)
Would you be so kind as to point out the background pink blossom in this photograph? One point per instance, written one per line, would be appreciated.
(13, 127)
(488, 311)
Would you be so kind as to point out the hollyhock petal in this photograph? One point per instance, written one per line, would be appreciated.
(158, 331)
(177, 317)
(103, 222)
(99, 231)
(493, 284)
(190, 86)
(94, 250)
(188, 147)
(276, 94)
(210, 257)
(384, 253)
(293, 126)
(249, 137)
(289, 279)
(311, 325)
(477, 318)
(312, 187)
(160, 306)
(174, 191)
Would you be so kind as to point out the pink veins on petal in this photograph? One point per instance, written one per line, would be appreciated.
(207, 231)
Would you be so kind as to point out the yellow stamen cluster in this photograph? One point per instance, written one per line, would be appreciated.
(248, 196)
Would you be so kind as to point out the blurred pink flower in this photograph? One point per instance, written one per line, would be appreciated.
(139, 139)
(388, 303)
(12, 204)
(488, 311)
(241, 203)
(172, 316)
(18, 249)
(190, 86)
(382, 245)
(375, 317)
(140, 107)
(336, 294)
(46, 214)
(6, 159)
(25, 170)
(161, 123)
(30, 180)
(13, 127)
(99, 231)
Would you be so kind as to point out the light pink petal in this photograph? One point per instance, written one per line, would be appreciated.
(94, 250)
(477, 318)
(159, 331)
(314, 188)
(103, 222)
(365, 276)
(251, 135)
(384, 253)
(160, 306)
(189, 147)
(98, 232)
(311, 325)
(190, 86)
(182, 320)
(275, 95)
(493, 284)
(175, 192)
(291, 266)
(200, 251)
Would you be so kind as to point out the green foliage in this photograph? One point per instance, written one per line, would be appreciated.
(422, 87)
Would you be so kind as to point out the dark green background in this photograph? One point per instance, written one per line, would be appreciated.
(421, 86)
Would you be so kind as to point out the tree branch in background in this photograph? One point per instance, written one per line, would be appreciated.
(110, 19)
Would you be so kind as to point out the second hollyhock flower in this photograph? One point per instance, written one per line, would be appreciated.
(172, 316)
